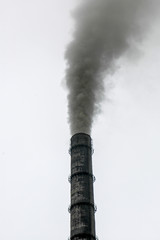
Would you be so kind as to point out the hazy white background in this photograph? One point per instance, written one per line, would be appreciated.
(34, 134)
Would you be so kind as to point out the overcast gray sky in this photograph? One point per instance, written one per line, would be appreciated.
(34, 133)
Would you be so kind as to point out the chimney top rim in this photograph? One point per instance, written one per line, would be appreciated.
(81, 133)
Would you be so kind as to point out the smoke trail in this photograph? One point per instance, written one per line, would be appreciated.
(104, 31)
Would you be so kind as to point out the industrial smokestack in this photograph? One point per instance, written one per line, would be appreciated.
(105, 31)
(82, 207)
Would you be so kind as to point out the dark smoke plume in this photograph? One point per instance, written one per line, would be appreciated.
(105, 30)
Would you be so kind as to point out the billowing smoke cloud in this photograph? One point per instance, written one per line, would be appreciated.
(104, 31)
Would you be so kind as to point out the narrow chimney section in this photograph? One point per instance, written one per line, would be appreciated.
(82, 207)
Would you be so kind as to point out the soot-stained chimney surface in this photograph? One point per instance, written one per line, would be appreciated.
(82, 207)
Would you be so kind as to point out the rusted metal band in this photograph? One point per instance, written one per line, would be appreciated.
(82, 203)
(80, 145)
(81, 173)
(84, 235)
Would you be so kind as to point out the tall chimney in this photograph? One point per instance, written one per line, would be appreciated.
(82, 209)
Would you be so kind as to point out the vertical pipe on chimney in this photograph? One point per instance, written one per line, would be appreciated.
(82, 207)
